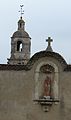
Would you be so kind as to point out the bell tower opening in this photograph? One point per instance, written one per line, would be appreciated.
(20, 25)
(19, 46)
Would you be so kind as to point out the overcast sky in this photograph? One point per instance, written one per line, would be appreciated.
(43, 18)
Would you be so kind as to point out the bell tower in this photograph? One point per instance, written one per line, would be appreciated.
(20, 44)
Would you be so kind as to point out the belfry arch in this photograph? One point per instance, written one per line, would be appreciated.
(19, 46)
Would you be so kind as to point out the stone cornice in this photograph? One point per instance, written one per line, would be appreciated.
(13, 67)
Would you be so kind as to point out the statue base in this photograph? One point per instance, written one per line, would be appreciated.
(46, 102)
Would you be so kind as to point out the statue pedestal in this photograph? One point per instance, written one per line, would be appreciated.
(46, 102)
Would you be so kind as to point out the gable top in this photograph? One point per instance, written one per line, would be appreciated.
(41, 54)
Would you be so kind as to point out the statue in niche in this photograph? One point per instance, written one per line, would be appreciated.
(47, 88)
(48, 70)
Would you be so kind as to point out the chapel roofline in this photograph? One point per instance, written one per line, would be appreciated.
(8, 67)
(34, 58)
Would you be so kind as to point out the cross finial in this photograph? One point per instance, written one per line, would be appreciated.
(49, 40)
(21, 11)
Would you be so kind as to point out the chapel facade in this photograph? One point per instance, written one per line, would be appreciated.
(36, 88)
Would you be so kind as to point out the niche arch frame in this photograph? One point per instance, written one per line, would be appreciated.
(56, 79)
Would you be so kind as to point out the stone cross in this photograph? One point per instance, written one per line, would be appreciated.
(49, 40)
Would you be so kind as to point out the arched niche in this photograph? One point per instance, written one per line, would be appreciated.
(42, 71)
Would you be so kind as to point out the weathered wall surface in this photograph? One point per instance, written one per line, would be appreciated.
(65, 89)
(17, 89)
(16, 94)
